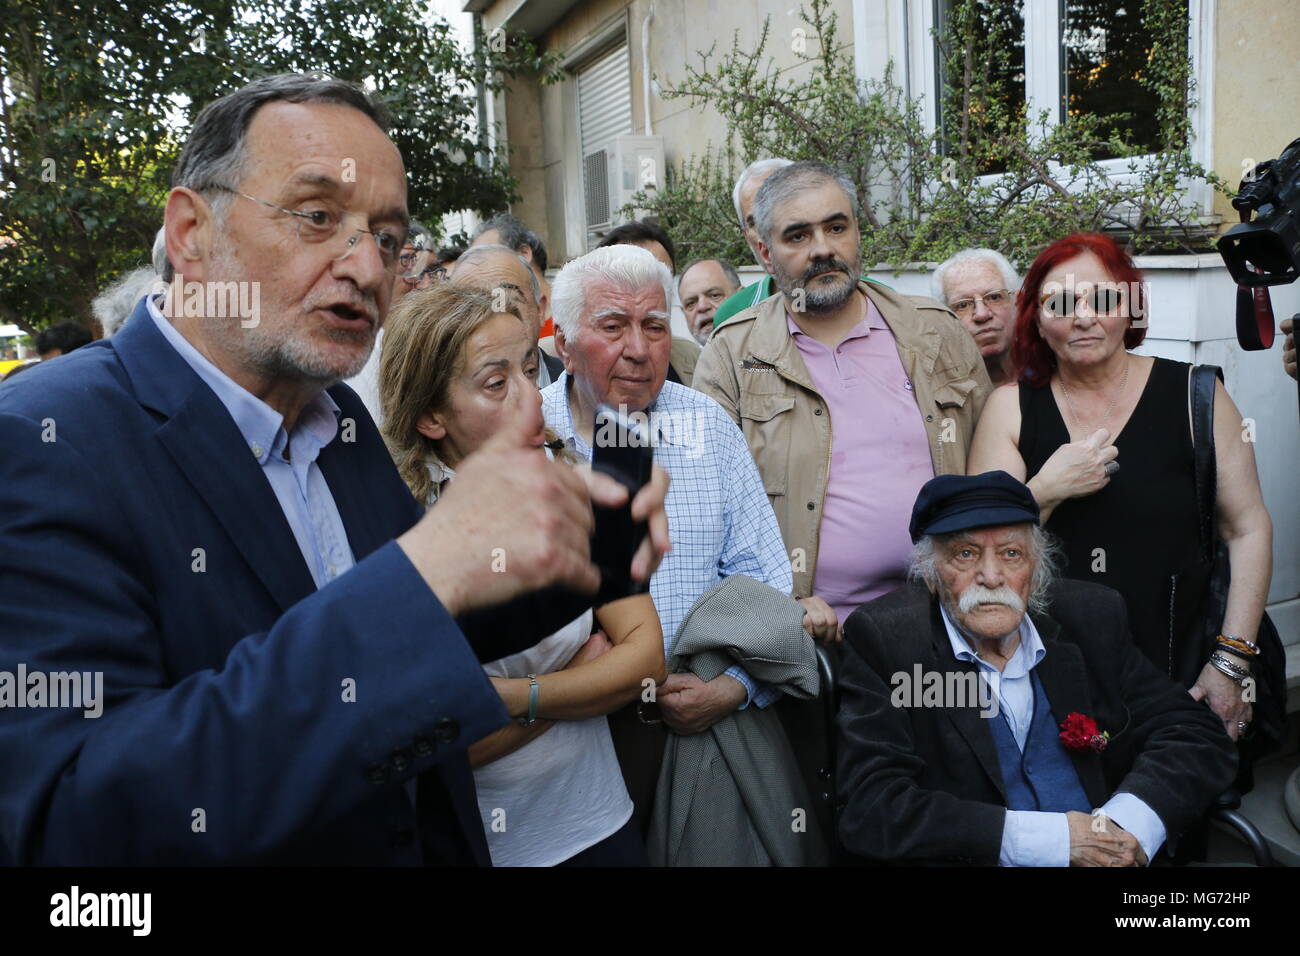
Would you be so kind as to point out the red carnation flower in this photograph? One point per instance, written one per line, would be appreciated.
(1079, 733)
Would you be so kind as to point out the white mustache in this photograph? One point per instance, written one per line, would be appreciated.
(977, 594)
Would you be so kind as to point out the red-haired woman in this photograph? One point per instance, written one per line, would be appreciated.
(1104, 438)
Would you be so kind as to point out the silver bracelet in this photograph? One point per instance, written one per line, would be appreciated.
(531, 718)
(1226, 667)
(1241, 668)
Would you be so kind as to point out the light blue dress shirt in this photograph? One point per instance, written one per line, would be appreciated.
(718, 513)
(1037, 837)
(295, 478)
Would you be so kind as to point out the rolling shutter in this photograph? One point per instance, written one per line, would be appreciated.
(604, 113)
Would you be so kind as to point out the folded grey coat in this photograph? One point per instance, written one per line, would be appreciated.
(733, 795)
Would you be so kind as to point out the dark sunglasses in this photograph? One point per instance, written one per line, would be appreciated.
(1102, 300)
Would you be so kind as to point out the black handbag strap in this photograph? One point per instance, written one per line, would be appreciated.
(1201, 389)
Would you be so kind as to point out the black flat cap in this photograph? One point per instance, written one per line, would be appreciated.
(959, 502)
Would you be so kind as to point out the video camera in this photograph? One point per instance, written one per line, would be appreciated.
(1265, 252)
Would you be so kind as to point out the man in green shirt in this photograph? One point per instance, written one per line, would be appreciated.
(742, 299)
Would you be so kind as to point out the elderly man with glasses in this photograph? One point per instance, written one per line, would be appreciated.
(286, 655)
(416, 265)
(979, 285)
(417, 268)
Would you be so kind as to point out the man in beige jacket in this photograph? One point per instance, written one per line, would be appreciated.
(850, 395)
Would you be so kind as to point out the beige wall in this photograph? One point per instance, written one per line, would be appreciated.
(1256, 86)
(524, 132)
(540, 124)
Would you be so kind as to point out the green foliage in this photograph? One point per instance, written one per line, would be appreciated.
(924, 195)
(696, 207)
(99, 96)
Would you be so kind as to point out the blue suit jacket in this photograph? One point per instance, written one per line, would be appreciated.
(227, 735)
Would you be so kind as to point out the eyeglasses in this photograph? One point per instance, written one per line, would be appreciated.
(436, 273)
(324, 226)
(1101, 299)
(408, 260)
(964, 307)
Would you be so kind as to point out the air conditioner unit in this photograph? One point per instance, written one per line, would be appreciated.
(612, 176)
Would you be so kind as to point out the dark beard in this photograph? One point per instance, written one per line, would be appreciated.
(819, 299)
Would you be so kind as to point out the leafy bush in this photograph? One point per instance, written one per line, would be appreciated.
(991, 175)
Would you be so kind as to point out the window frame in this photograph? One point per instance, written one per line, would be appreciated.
(913, 50)
(598, 42)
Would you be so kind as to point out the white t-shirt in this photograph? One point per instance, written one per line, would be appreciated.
(561, 792)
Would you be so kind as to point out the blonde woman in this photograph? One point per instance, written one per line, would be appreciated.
(550, 792)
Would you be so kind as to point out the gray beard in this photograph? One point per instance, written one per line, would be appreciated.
(817, 299)
(288, 359)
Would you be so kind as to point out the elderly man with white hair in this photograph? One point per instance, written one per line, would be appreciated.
(991, 715)
(980, 285)
(613, 333)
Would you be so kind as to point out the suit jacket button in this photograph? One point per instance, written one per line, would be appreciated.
(446, 730)
(401, 836)
(377, 773)
(423, 746)
(399, 760)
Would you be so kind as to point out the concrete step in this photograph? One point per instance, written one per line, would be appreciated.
(1265, 807)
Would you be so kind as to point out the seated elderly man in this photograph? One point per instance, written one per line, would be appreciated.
(980, 285)
(976, 731)
(612, 330)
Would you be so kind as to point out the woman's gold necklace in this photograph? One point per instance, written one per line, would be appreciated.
(1065, 393)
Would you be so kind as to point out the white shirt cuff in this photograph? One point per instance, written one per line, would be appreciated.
(1035, 838)
(1137, 818)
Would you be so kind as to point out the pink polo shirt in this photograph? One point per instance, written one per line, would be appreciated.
(880, 458)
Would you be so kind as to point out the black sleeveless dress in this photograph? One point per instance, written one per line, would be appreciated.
(1140, 531)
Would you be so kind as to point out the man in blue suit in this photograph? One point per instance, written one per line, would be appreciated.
(196, 511)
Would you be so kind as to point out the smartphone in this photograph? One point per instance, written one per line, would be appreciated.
(621, 448)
